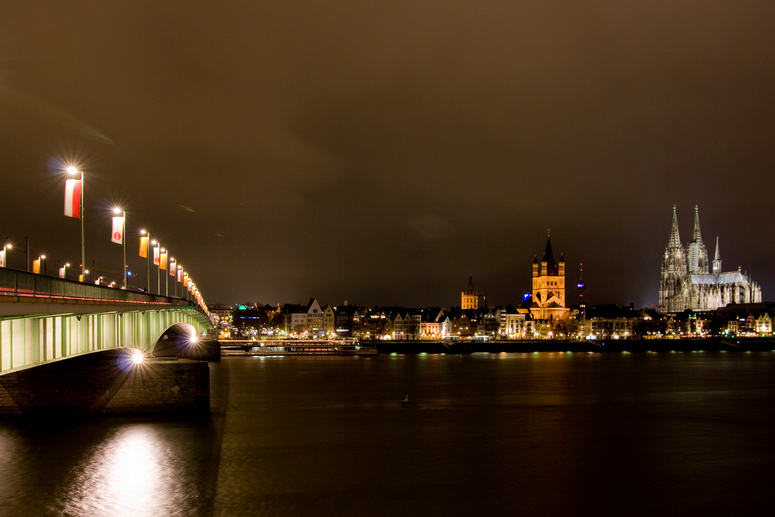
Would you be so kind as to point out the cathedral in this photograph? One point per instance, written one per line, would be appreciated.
(689, 280)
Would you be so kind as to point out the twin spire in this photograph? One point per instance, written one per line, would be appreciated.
(697, 254)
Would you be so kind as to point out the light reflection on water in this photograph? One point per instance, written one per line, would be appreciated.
(496, 434)
(132, 472)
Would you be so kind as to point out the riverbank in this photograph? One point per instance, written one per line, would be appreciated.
(603, 346)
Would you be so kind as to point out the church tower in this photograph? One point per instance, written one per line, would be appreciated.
(673, 272)
(548, 286)
(469, 299)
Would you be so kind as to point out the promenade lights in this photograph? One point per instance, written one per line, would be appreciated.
(118, 211)
(75, 172)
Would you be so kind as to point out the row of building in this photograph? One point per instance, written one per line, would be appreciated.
(696, 297)
(602, 322)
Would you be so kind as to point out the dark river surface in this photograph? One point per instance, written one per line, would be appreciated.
(483, 434)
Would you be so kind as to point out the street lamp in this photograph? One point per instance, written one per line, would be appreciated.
(73, 171)
(157, 262)
(3, 259)
(122, 239)
(41, 265)
(146, 250)
(165, 263)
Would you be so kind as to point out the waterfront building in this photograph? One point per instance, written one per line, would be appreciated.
(548, 293)
(329, 321)
(689, 281)
(347, 321)
(514, 324)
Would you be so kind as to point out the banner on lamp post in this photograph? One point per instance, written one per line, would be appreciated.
(163, 260)
(61, 272)
(144, 247)
(173, 266)
(117, 235)
(73, 198)
(156, 256)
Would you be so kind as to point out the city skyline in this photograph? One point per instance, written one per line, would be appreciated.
(382, 154)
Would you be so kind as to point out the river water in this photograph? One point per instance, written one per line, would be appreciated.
(482, 434)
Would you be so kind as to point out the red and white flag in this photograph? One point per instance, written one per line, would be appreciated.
(73, 198)
(156, 257)
(118, 230)
(2, 258)
(61, 272)
(173, 265)
(180, 274)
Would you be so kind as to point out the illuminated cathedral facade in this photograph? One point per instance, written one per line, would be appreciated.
(689, 280)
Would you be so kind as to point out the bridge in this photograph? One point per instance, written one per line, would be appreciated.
(45, 319)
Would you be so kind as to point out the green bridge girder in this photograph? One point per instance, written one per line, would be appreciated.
(44, 319)
(28, 341)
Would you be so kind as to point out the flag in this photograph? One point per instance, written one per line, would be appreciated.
(2, 258)
(61, 272)
(36, 266)
(73, 198)
(185, 279)
(80, 278)
(163, 260)
(180, 274)
(173, 266)
(118, 230)
(156, 257)
(144, 247)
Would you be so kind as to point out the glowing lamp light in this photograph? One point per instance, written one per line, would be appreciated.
(138, 357)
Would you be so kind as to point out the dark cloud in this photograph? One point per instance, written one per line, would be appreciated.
(380, 152)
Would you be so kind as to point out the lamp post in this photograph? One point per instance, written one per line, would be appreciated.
(123, 240)
(173, 274)
(157, 257)
(41, 265)
(148, 257)
(166, 276)
(73, 170)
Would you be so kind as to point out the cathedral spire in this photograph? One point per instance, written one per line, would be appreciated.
(717, 260)
(675, 239)
(696, 237)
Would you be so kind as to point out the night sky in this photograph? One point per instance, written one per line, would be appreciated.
(380, 152)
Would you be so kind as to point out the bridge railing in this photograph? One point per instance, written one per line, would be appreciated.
(30, 285)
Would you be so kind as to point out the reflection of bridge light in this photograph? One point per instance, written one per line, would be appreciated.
(137, 357)
(192, 339)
